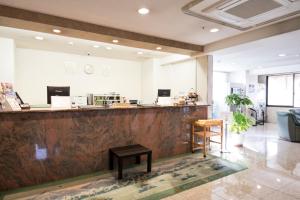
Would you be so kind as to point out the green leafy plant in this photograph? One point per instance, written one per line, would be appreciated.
(237, 100)
(241, 122)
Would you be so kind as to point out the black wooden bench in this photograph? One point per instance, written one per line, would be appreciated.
(129, 151)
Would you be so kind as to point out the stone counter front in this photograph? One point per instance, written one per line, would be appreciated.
(39, 147)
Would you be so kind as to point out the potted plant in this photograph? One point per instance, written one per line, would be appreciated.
(240, 121)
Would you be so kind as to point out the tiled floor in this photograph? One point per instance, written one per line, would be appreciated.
(273, 174)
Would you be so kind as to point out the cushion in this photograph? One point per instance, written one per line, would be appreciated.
(296, 115)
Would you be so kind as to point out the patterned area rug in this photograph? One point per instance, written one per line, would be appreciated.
(167, 178)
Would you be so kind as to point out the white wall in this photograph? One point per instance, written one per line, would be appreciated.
(148, 81)
(7, 60)
(36, 69)
(237, 77)
(179, 77)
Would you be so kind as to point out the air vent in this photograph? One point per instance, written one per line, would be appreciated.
(253, 8)
(243, 14)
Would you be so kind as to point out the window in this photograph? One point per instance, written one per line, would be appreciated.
(297, 90)
(280, 90)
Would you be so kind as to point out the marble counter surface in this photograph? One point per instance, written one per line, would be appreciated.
(91, 108)
(41, 146)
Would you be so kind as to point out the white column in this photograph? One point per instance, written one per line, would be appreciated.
(205, 78)
(7, 60)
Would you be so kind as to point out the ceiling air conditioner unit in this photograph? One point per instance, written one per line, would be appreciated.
(243, 14)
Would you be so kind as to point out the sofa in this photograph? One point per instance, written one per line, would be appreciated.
(289, 125)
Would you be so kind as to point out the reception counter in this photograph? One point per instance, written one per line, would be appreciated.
(38, 146)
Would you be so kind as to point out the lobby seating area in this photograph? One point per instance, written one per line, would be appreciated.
(289, 125)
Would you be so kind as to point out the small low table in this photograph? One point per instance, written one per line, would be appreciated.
(129, 151)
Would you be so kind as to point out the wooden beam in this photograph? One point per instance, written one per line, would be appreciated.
(25, 19)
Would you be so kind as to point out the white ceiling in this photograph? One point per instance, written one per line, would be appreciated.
(260, 54)
(254, 55)
(58, 43)
(165, 20)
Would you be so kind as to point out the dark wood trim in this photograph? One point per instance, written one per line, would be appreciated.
(55, 21)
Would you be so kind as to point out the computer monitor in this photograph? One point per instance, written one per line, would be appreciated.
(164, 93)
(57, 91)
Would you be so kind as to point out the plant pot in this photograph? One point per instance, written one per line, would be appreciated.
(238, 139)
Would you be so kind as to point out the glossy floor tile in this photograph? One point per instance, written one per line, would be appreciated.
(273, 170)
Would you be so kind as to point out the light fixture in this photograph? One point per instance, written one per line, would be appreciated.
(143, 11)
(71, 43)
(108, 48)
(115, 41)
(140, 53)
(96, 46)
(282, 55)
(158, 48)
(278, 180)
(214, 30)
(56, 31)
(258, 187)
(39, 38)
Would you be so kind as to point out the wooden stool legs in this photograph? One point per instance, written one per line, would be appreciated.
(222, 137)
(204, 143)
(192, 138)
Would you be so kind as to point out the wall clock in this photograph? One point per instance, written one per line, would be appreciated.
(89, 69)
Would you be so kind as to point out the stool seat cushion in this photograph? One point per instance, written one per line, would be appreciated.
(209, 122)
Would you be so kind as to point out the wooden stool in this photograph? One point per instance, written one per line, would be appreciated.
(129, 151)
(206, 133)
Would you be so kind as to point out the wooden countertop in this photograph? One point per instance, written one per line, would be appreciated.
(43, 110)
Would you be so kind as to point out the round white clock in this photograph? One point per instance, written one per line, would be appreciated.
(89, 69)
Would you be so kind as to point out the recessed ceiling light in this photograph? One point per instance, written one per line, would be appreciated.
(71, 43)
(278, 180)
(108, 48)
(282, 55)
(140, 53)
(214, 30)
(56, 31)
(143, 11)
(158, 48)
(39, 38)
(96, 46)
(258, 186)
(115, 41)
